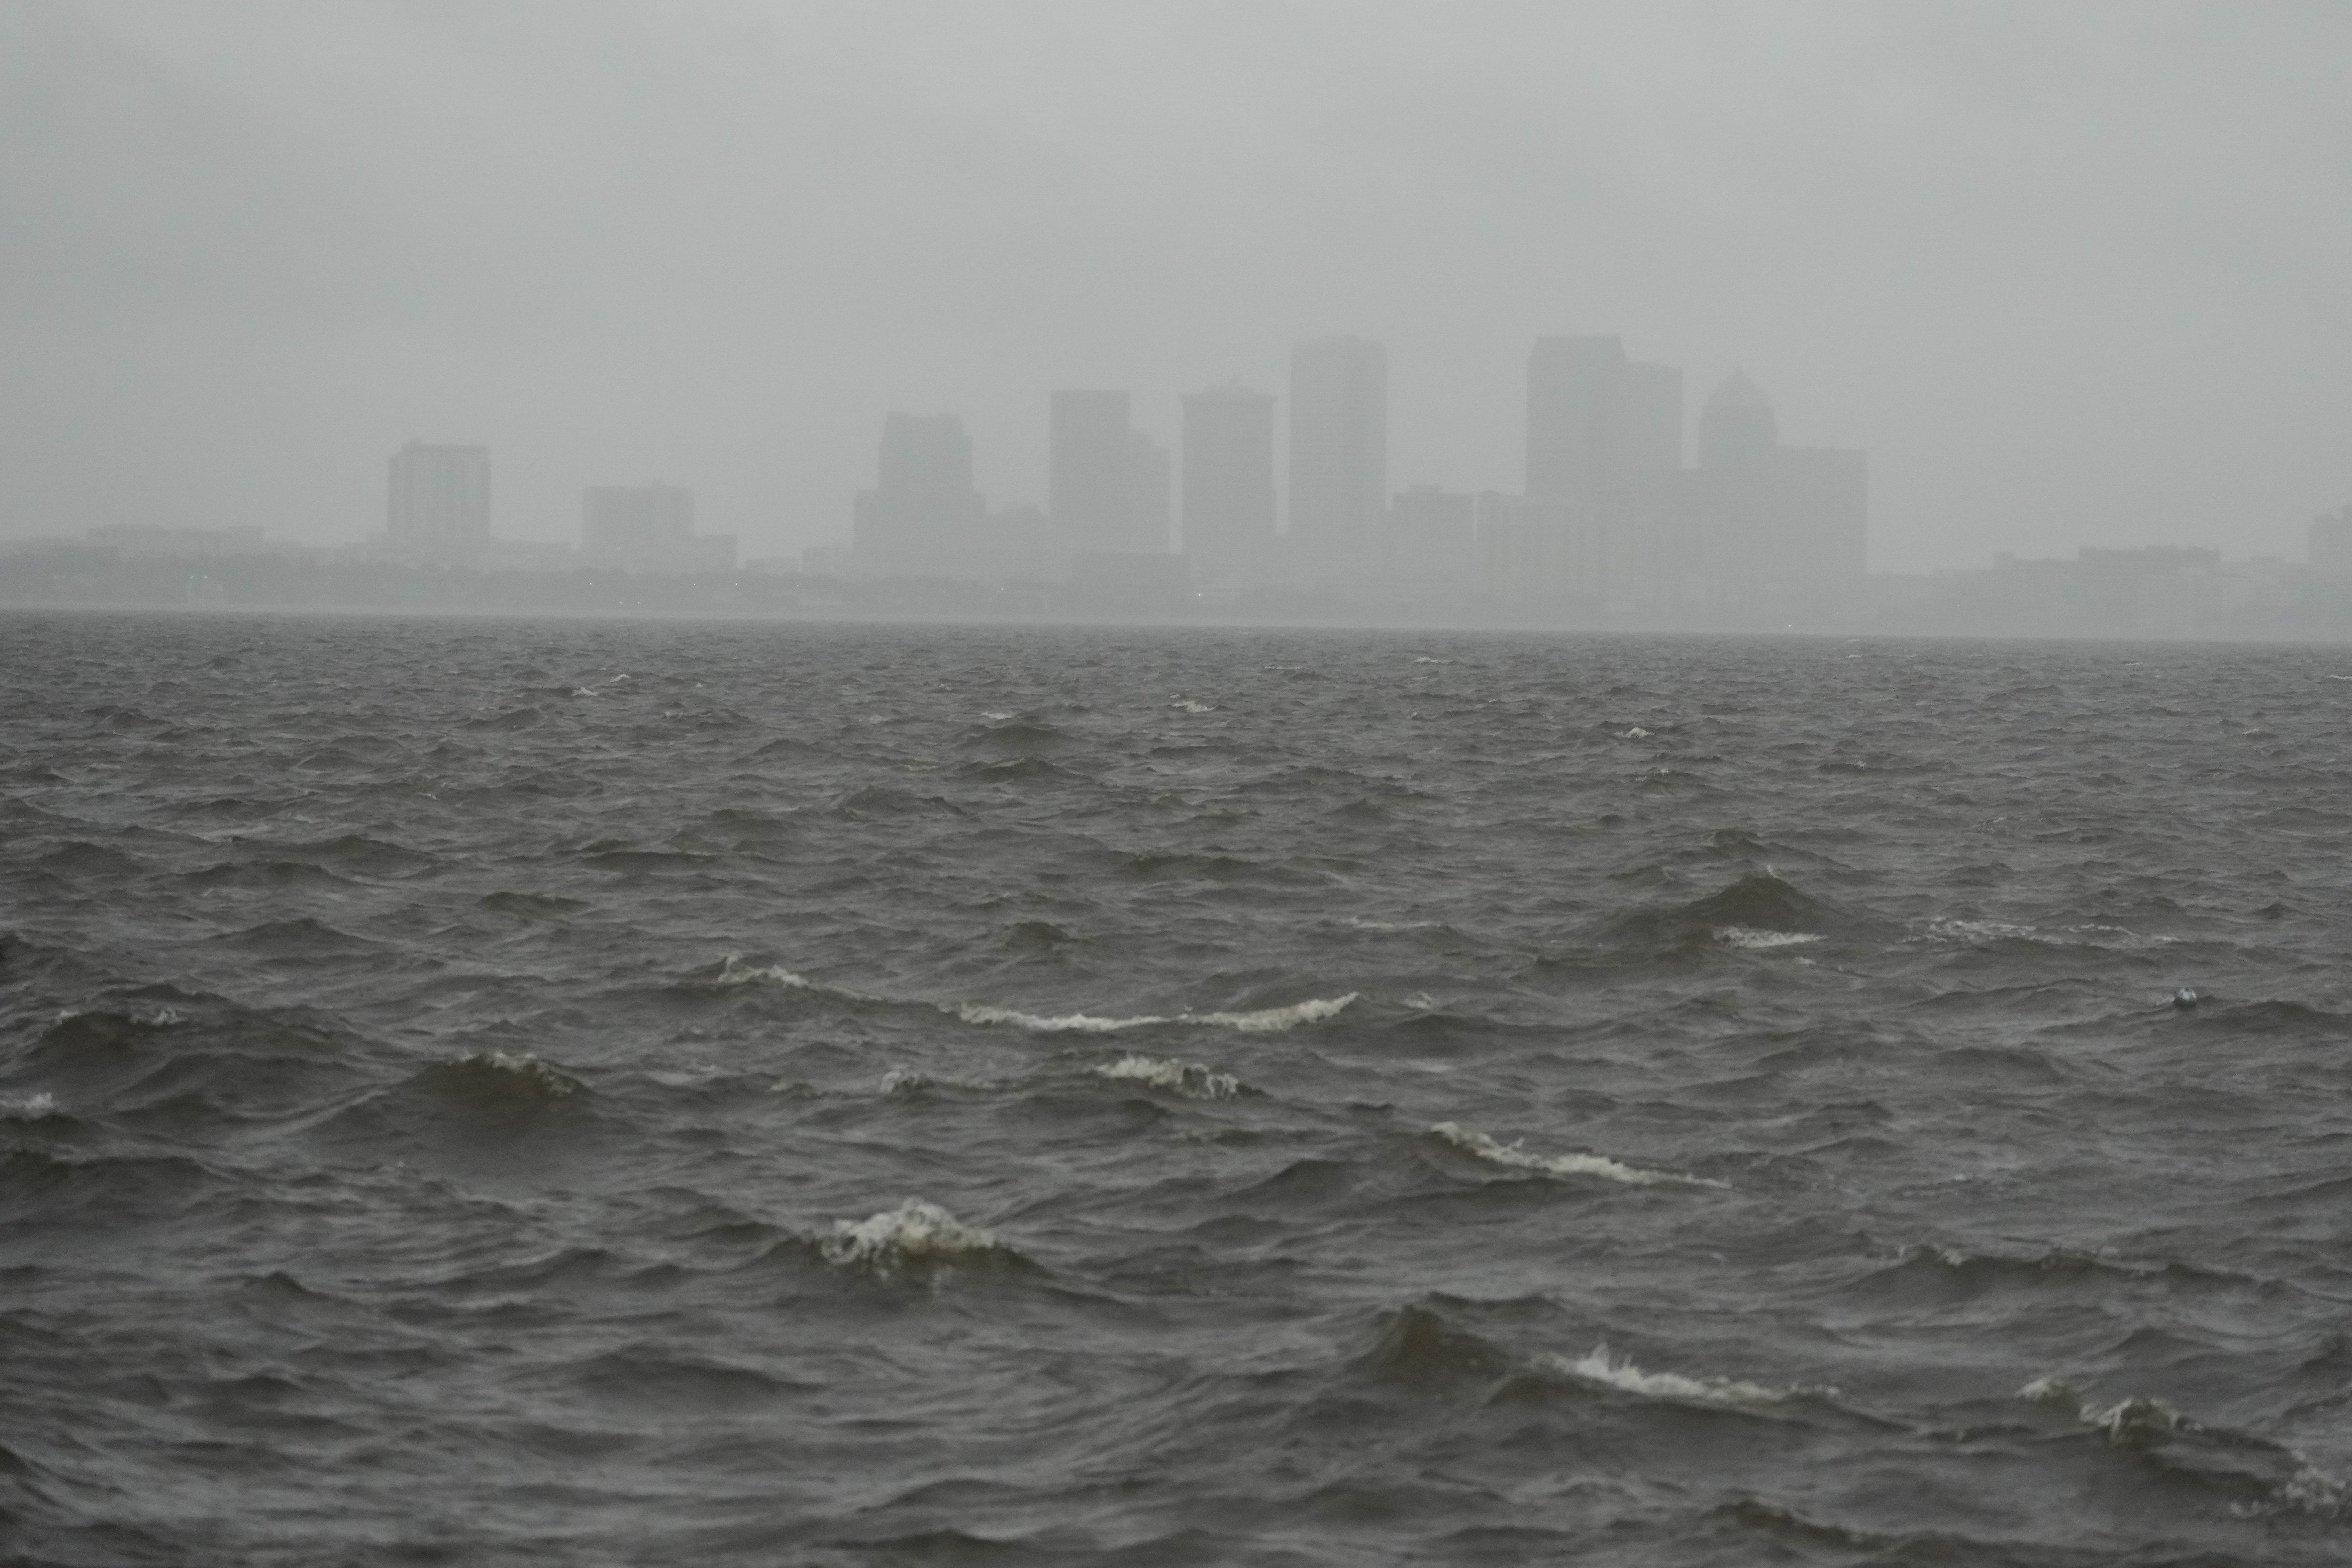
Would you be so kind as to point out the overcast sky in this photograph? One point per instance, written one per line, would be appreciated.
(2071, 274)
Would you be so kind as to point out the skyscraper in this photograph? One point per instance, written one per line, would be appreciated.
(1738, 426)
(1339, 447)
(1090, 486)
(1599, 425)
(439, 497)
(918, 518)
(1784, 514)
(1228, 492)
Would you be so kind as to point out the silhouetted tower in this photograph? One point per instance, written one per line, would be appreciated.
(922, 507)
(1338, 446)
(1736, 428)
(1228, 492)
(439, 497)
(1599, 425)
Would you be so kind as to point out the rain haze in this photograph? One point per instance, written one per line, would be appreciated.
(2069, 275)
(1200, 785)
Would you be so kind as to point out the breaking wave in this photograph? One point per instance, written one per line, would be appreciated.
(1177, 1077)
(1265, 1020)
(915, 1233)
(1597, 1365)
(733, 971)
(1477, 1144)
(1756, 941)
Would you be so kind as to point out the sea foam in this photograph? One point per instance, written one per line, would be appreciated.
(1472, 1142)
(914, 1232)
(733, 971)
(1177, 1077)
(1597, 1365)
(1756, 941)
(1265, 1020)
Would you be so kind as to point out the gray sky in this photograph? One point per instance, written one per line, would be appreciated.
(2070, 273)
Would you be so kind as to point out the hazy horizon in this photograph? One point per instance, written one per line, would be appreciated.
(2070, 275)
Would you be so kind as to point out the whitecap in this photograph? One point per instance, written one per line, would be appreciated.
(904, 1080)
(1755, 940)
(1424, 658)
(1178, 1078)
(914, 1232)
(31, 1108)
(554, 1082)
(1263, 1021)
(1188, 706)
(1976, 931)
(2133, 1422)
(1472, 1142)
(733, 971)
(1599, 1366)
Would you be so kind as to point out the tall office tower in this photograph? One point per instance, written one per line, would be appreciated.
(1090, 479)
(2331, 543)
(1737, 426)
(1151, 493)
(1339, 447)
(440, 497)
(1785, 514)
(918, 519)
(1599, 425)
(635, 520)
(1228, 492)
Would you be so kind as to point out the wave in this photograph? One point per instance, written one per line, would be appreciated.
(2133, 1422)
(500, 1080)
(1756, 905)
(733, 971)
(1477, 1144)
(1263, 1020)
(1597, 1365)
(1755, 940)
(1178, 1078)
(914, 1234)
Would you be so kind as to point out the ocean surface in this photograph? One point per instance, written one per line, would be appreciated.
(572, 1092)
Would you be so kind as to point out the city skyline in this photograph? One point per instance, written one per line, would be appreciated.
(2066, 273)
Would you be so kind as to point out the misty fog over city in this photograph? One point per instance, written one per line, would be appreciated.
(1291, 783)
(2053, 279)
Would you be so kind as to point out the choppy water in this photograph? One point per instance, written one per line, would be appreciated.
(583, 1093)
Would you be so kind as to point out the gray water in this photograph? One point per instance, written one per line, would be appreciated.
(563, 1092)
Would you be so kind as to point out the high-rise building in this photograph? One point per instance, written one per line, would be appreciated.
(1228, 489)
(1599, 425)
(2331, 543)
(1738, 426)
(439, 497)
(1777, 514)
(918, 518)
(1339, 447)
(1090, 486)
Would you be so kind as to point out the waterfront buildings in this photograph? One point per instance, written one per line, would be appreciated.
(648, 528)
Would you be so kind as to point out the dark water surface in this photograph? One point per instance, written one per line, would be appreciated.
(506, 1092)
